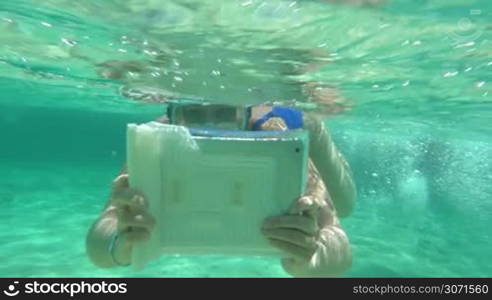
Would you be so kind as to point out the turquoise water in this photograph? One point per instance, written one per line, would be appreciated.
(410, 81)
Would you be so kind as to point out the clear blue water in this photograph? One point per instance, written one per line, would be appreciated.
(409, 80)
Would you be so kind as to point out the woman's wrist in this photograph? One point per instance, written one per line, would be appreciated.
(120, 250)
(331, 258)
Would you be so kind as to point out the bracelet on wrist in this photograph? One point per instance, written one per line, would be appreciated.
(111, 250)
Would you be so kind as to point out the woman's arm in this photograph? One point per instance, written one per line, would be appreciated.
(332, 166)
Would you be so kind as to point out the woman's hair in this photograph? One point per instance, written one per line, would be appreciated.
(328, 101)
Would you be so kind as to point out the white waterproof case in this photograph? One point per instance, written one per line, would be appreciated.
(210, 191)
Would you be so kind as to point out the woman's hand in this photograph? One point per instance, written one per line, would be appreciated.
(309, 235)
(134, 223)
(310, 250)
(296, 233)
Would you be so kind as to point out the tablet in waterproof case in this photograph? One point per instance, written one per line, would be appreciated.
(210, 191)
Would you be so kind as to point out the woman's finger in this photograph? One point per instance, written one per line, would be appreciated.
(292, 250)
(291, 236)
(129, 198)
(121, 182)
(305, 206)
(301, 223)
(142, 219)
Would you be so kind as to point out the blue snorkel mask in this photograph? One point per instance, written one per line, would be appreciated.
(199, 115)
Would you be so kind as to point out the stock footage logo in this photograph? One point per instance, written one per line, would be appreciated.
(70, 288)
(466, 31)
(11, 290)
